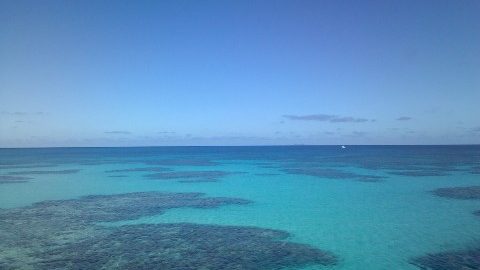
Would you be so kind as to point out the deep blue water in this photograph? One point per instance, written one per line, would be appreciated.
(369, 207)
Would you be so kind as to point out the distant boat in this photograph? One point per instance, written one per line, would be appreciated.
(343, 147)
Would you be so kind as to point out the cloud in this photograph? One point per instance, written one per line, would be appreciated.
(404, 118)
(166, 132)
(21, 113)
(118, 132)
(476, 130)
(327, 118)
(353, 134)
(359, 133)
(348, 120)
(310, 117)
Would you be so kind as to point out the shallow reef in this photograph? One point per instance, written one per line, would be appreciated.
(414, 158)
(185, 246)
(462, 193)
(424, 172)
(146, 169)
(108, 208)
(395, 165)
(455, 260)
(66, 234)
(93, 162)
(182, 162)
(190, 176)
(7, 179)
(269, 165)
(370, 178)
(333, 174)
(267, 174)
(33, 166)
(45, 172)
(475, 170)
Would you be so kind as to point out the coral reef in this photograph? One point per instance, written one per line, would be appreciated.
(45, 172)
(190, 176)
(146, 169)
(424, 172)
(65, 234)
(333, 174)
(7, 179)
(184, 246)
(182, 162)
(455, 260)
(462, 193)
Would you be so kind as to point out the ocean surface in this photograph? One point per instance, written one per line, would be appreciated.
(285, 207)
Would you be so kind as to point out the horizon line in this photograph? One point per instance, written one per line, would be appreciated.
(253, 145)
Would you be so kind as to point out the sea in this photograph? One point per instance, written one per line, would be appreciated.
(248, 207)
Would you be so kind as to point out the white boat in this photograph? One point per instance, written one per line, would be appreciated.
(343, 147)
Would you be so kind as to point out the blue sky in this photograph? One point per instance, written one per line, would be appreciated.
(124, 73)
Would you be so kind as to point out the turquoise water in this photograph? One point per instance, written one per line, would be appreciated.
(367, 224)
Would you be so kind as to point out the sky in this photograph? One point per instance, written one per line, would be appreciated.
(187, 72)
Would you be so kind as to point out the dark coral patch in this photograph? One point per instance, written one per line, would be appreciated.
(269, 165)
(475, 170)
(94, 162)
(198, 180)
(421, 173)
(187, 247)
(48, 225)
(65, 234)
(319, 172)
(333, 174)
(462, 193)
(33, 166)
(7, 179)
(190, 176)
(147, 169)
(45, 172)
(456, 260)
(118, 176)
(109, 208)
(370, 178)
(443, 159)
(182, 162)
(266, 174)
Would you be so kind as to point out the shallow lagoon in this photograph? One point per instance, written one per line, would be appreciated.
(381, 224)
